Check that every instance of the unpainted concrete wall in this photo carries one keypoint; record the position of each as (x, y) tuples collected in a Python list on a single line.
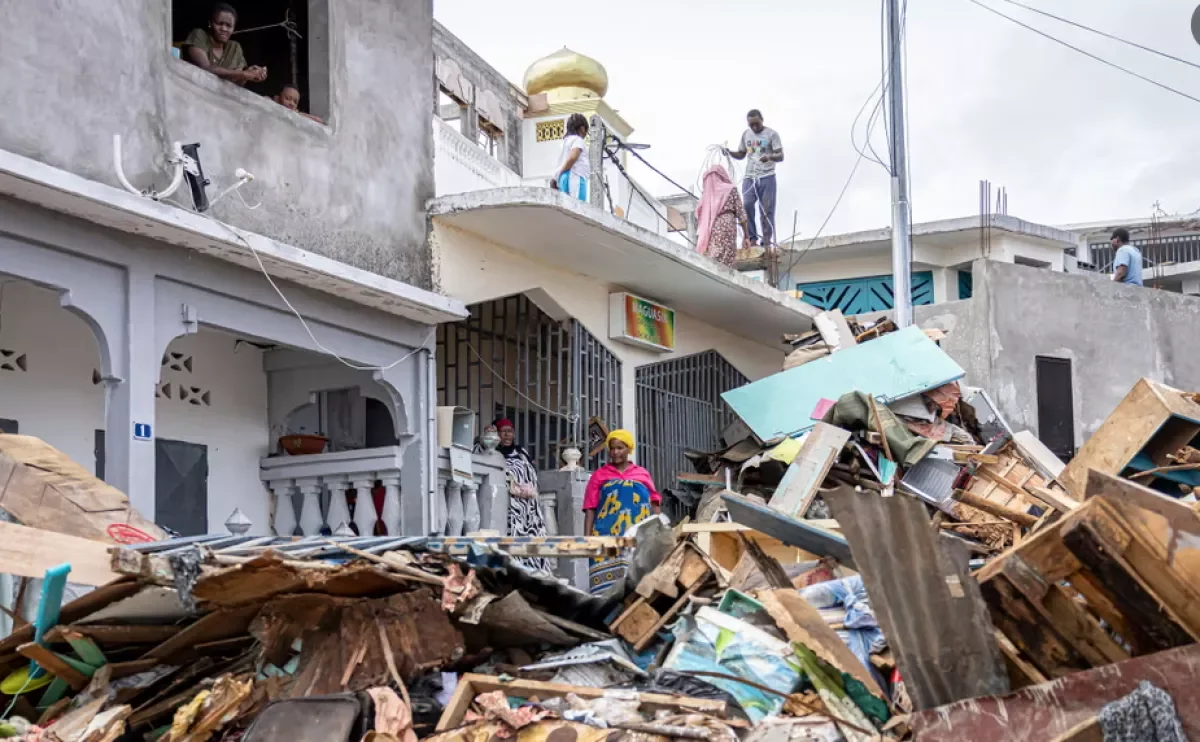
[(75, 72), (1113, 334), (486, 91)]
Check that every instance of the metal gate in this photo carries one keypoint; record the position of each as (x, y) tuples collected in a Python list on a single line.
[(679, 407), (510, 359)]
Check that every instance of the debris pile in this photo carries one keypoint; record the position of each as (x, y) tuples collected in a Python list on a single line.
[(873, 547)]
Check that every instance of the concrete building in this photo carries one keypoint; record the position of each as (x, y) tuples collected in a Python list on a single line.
[(1170, 248), (852, 272), (584, 316), (169, 350), (1057, 351)]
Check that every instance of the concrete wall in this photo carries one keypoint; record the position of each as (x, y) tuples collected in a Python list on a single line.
[(486, 92), (55, 399), (1113, 334), (77, 72), (474, 270)]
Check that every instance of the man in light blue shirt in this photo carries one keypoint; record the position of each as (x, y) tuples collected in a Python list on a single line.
[(1127, 262)]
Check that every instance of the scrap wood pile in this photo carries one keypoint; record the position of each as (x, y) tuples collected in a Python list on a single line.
[(989, 563)]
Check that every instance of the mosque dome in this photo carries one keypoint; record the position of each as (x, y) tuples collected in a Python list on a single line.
[(566, 75)]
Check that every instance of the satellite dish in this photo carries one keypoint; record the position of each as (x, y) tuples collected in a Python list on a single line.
[(1196, 24)]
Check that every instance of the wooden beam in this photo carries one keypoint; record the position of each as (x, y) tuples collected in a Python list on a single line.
[(808, 470), (55, 665), (991, 508), (29, 552), (471, 685)]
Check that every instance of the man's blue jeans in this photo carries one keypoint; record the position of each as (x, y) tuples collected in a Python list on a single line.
[(760, 193)]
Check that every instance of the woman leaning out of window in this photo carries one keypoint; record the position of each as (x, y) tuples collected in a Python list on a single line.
[(213, 49)]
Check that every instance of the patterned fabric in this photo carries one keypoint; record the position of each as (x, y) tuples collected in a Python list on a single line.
[(524, 511), (723, 243), (622, 501)]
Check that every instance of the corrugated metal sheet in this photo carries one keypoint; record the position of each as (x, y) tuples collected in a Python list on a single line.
[(896, 365), (928, 605)]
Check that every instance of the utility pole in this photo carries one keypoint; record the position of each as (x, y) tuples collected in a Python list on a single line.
[(901, 209)]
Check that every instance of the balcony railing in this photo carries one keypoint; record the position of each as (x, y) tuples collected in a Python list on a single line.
[(1173, 250), (311, 493)]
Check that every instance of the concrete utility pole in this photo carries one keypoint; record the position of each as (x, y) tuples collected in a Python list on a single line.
[(901, 210)]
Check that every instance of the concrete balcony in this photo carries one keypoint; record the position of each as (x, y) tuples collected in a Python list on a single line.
[(322, 492)]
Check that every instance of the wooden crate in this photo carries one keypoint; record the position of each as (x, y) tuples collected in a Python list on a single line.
[(1127, 556)]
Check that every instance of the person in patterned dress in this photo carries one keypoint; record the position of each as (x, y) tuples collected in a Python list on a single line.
[(619, 495), (524, 511), (719, 215)]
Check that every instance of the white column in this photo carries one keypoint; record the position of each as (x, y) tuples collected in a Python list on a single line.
[(471, 517), (391, 514), (364, 508), (129, 398), (285, 516), (454, 508), (310, 508), (339, 509), (549, 512)]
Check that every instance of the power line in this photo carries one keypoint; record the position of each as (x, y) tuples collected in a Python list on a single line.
[(612, 156), (1085, 27), (1072, 47), (635, 153)]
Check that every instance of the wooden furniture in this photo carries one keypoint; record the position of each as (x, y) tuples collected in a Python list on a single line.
[(1152, 423), (1128, 556)]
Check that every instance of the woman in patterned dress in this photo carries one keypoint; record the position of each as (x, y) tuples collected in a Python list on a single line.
[(524, 512), (619, 495), (719, 214)]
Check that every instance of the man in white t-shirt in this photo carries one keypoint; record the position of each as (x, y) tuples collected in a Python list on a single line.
[(761, 147), (574, 169)]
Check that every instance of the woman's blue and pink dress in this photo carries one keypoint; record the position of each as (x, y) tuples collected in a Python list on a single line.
[(620, 499)]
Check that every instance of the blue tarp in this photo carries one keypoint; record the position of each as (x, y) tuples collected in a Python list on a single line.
[(894, 366)]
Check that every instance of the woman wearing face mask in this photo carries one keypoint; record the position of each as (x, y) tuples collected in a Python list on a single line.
[(214, 49), (524, 512), (619, 495)]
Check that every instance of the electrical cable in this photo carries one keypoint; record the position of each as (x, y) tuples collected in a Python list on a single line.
[(635, 153), (571, 417), (612, 156), (1085, 27), (1085, 53), (304, 323)]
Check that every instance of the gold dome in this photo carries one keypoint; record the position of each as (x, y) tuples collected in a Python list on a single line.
[(566, 75)]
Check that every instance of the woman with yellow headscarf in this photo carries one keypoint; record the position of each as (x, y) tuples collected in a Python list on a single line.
[(618, 495)]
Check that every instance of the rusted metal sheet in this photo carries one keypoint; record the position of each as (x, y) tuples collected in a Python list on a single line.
[(928, 605), (1040, 713)]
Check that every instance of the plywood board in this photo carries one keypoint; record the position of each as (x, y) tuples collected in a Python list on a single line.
[(808, 470), (896, 365), (43, 488), (29, 552)]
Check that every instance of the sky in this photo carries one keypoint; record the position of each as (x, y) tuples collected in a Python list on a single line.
[(1071, 139)]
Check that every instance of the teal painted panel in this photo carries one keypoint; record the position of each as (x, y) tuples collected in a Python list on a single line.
[(966, 284), (893, 366), (860, 295)]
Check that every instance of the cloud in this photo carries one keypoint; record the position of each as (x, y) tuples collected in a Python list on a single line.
[(1071, 139)]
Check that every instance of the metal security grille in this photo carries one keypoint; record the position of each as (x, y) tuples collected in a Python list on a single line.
[(679, 407), (510, 359)]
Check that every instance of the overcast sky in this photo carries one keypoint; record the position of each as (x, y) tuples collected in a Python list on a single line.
[(1072, 139)]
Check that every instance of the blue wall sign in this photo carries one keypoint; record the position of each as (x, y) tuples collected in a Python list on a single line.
[(141, 432)]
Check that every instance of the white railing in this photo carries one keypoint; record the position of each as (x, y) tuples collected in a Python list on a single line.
[(461, 166), (320, 483), (478, 504)]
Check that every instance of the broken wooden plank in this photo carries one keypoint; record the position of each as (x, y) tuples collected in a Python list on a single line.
[(992, 508), (807, 471), (533, 546), (29, 552), (55, 665), (117, 634), (471, 685), (791, 531), (641, 644), (221, 624)]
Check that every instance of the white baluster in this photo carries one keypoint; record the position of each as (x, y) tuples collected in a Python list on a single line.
[(549, 508), (285, 513), (364, 507), (339, 509), (471, 517), (391, 504), (310, 508), (454, 508)]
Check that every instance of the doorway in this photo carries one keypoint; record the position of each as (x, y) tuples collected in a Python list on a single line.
[(1056, 405)]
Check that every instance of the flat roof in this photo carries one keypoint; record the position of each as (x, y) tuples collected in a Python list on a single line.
[(940, 231), (68, 193), (569, 234)]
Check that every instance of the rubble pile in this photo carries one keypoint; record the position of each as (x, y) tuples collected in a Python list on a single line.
[(873, 554)]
